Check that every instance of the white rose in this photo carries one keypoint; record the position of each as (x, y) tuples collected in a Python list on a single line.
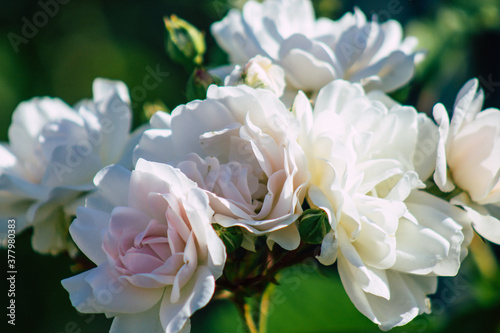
[(54, 152), (314, 52), (469, 157), (149, 232), (252, 137), (389, 238)]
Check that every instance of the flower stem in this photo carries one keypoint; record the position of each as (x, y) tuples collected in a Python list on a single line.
[(254, 309), (249, 318), (264, 307), (245, 309), (252, 281)]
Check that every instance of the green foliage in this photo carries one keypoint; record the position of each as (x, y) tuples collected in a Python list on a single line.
[(232, 237)]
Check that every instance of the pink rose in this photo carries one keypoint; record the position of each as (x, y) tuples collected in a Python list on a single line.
[(149, 233)]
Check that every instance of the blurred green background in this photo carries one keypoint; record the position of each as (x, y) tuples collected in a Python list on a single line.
[(123, 40)]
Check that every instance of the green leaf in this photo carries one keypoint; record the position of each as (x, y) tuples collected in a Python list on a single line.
[(232, 237)]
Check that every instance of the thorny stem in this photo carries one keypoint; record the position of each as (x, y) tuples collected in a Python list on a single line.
[(250, 289), (291, 258)]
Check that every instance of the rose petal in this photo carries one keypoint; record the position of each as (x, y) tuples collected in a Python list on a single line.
[(195, 295), (116, 295)]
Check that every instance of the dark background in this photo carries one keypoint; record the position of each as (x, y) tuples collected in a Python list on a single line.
[(82, 40)]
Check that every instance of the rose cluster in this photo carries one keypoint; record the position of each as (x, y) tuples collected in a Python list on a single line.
[(300, 127)]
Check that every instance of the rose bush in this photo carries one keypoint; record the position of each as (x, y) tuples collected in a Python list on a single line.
[(226, 192)]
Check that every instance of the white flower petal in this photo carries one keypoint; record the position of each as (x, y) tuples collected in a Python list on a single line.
[(446, 221), (408, 297), (114, 115), (371, 280), (194, 119), (394, 71), (80, 293), (149, 142), (194, 296), (309, 65), (484, 224), (112, 184), (117, 295), (329, 249), (335, 95), (441, 174), (288, 237), (50, 230), (424, 157), (216, 251), (467, 104), (418, 249), (13, 188), (86, 232), (147, 321), (68, 168), (160, 120), (473, 155), (103, 88)]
